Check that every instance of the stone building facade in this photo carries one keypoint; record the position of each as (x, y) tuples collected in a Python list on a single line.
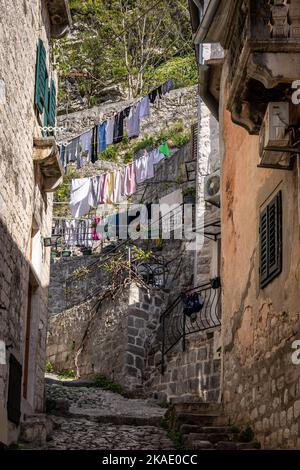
[(29, 171), (260, 213)]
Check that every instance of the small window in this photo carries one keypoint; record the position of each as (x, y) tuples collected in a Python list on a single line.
[(270, 232)]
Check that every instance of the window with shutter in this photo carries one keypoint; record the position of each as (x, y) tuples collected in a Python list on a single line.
[(41, 77), (14, 390), (52, 104), (271, 241)]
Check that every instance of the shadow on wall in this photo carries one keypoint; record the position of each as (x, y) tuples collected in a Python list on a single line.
[(22, 337)]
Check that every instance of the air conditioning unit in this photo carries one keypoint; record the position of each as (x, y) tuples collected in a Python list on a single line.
[(274, 134), (212, 187)]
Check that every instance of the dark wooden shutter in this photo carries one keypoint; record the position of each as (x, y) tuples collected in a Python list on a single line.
[(41, 76), (52, 104), (14, 390), (194, 141), (271, 241)]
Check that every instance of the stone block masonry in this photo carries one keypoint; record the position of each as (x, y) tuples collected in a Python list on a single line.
[(116, 337), (194, 373)]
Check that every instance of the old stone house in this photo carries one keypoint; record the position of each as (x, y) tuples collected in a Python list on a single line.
[(29, 173), (252, 89)]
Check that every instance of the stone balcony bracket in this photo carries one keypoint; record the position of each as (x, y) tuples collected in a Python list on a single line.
[(46, 155)]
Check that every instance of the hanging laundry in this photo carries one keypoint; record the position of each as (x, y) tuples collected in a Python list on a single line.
[(168, 86), (145, 107), (94, 191), (153, 95), (85, 141), (117, 187), (102, 136), (80, 195), (94, 156), (110, 131), (134, 121), (95, 234), (160, 91), (102, 191), (157, 156), (70, 232), (110, 188), (62, 154), (144, 168), (72, 150), (129, 180), (164, 149), (119, 125)]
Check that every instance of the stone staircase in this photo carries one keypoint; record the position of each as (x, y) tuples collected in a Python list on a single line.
[(204, 426)]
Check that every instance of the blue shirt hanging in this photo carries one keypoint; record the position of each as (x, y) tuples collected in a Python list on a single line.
[(102, 136)]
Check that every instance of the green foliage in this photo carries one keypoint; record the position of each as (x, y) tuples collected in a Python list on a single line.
[(110, 154), (256, 445), (67, 374), (246, 435), (103, 382), (131, 44), (183, 70), (49, 367), (64, 191)]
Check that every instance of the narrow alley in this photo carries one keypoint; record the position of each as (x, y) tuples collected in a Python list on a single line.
[(91, 418)]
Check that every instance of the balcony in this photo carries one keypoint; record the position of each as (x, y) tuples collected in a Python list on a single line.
[(46, 156), (261, 39)]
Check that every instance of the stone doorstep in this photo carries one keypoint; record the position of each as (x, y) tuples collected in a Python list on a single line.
[(194, 408), (35, 429), (201, 419)]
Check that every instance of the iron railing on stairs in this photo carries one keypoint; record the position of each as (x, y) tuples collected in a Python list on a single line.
[(176, 323)]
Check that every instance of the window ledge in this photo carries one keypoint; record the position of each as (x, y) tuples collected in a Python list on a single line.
[(60, 17), (46, 155)]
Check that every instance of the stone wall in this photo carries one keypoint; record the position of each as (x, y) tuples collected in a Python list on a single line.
[(21, 199), (193, 373), (180, 104), (116, 336)]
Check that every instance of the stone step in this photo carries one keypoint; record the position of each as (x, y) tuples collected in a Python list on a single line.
[(118, 420), (201, 445), (211, 437), (196, 407), (192, 428), (201, 419)]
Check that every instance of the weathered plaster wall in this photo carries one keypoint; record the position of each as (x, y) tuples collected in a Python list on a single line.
[(261, 386), (21, 25)]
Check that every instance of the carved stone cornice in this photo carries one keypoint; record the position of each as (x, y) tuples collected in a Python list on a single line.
[(46, 155), (60, 17), (263, 57)]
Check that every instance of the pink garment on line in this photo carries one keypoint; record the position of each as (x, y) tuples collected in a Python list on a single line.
[(103, 183), (95, 234), (129, 183)]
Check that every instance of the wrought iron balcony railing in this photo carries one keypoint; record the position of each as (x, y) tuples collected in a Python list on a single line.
[(179, 320)]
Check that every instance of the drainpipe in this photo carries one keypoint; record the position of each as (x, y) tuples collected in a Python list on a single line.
[(206, 21)]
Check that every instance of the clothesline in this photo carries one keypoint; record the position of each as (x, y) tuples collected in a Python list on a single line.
[(111, 131), (114, 187)]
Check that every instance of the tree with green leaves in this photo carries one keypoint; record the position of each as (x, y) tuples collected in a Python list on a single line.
[(132, 43)]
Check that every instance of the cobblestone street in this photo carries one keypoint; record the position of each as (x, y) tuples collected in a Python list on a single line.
[(100, 419)]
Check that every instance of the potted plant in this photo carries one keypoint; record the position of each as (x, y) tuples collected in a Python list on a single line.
[(189, 196)]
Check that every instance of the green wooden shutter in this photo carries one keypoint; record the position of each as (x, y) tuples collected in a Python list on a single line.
[(52, 105), (41, 76), (46, 107), (271, 241)]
